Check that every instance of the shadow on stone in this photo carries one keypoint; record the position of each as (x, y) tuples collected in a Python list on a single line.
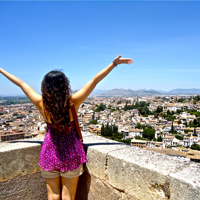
[(25, 141), (83, 185), (104, 143)]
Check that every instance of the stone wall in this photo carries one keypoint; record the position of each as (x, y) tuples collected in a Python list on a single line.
[(114, 171)]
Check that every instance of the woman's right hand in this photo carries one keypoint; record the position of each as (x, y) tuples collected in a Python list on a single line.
[(118, 60)]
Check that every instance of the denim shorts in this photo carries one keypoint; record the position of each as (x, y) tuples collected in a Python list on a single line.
[(67, 174)]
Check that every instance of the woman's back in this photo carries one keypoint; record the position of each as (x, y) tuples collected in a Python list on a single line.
[(62, 151)]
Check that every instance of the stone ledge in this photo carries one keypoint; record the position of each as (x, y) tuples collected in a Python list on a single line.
[(131, 172), (18, 158), (141, 173)]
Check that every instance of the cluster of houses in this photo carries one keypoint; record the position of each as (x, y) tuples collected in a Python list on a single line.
[(127, 120), (24, 120), (19, 121)]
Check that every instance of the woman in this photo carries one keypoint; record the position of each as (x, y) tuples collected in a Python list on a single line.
[(62, 153)]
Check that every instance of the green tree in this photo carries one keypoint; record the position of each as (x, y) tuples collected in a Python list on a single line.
[(180, 100), (195, 146), (112, 133), (142, 126), (127, 141), (93, 116), (115, 129), (172, 127), (159, 109), (117, 136), (138, 125), (197, 98), (93, 122), (102, 129), (141, 106), (179, 111), (138, 137), (173, 131), (186, 130), (149, 133), (108, 130), (179, 137), (143, 110), (194, 112), (100, 107), (159, 139)]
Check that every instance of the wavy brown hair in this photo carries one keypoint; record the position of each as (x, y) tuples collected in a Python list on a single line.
[(56, 91)]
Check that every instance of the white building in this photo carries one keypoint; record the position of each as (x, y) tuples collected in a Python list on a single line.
[(168, 140), (171, 107), (186, 141), (135, 132)]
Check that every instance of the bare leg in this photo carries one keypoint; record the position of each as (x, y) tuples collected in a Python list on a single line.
[(53, 188), (69, 186)]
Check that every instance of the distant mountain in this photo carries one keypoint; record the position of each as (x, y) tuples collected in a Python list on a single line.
[(161, 91), (143, 92), (184, 91), (97, 91), (126, 93)]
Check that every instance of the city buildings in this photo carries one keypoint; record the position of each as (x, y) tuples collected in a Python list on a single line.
[(19, 121)]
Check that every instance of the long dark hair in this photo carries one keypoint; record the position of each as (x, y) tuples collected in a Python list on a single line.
[(56, 91)]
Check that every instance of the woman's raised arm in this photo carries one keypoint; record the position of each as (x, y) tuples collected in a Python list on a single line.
[(82, 94), (35, 98)]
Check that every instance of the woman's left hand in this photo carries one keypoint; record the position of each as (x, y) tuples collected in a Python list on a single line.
[(118, 60)]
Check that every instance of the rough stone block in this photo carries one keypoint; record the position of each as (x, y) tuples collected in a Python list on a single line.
[(97, 149), (28, 187), (99, 190), (143, 174), (19, 158), (185, 184)]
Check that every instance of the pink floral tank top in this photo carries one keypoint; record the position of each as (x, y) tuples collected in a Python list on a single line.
[(62, 151)]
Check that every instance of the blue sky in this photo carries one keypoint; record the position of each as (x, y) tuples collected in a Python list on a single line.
[(163, 39)]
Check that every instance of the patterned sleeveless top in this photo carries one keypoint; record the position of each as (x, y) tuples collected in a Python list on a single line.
[(62, 151)]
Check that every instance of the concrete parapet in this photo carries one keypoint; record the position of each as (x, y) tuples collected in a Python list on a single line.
[(114, 171)]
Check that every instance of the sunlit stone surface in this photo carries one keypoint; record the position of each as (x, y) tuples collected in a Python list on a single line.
[(114, 171)]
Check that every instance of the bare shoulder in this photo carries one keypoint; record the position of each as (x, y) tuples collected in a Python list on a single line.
[(75, 100), (39, 103)]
